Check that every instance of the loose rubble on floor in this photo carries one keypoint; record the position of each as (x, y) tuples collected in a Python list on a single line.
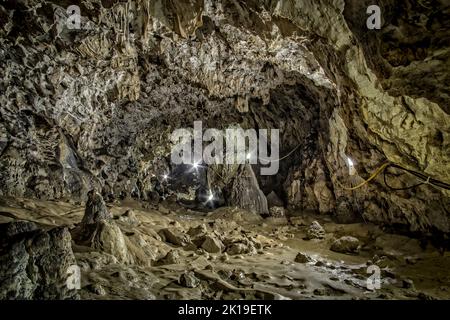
[(126, 251)]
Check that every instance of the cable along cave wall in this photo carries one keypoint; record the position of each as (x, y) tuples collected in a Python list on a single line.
[(95, 107)]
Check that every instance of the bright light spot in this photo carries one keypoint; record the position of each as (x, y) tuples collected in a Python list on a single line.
[(351, 167), (211, 196), (350, 162), (165, 177), (195, 166), (249, 155)]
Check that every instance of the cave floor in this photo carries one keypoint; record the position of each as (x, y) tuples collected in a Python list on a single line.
[(407, 270)]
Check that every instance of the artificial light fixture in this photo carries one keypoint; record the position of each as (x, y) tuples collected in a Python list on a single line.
[(350, 162), (195, 166), (351, 167)]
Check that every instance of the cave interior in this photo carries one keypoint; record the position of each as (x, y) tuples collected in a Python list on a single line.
[(91, 93)]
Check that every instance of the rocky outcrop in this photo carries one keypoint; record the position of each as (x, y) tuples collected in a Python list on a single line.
[(35, 264)]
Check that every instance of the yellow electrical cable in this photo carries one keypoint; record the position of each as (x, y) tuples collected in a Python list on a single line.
[(373, 176)]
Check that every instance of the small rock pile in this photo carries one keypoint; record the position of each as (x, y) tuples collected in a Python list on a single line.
[(315, 231), (214, 240)]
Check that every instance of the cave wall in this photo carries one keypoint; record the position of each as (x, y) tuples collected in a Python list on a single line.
[(96, 106)]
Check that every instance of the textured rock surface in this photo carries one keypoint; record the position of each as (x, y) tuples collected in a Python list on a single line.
[(245, 192), (189, 280), (174, 236), (346, 244), (172, 257), (276, 212), (98, 230), (34, 264), (109, 238), (315, 231), (302, 258), (211, 245), (130, 218), (258, 262), (94, 107), (96, 210)]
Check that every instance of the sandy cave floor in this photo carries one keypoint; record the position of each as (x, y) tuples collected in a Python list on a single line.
[(408, 271)]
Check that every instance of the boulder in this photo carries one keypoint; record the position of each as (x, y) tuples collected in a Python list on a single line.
[(172, 257), (237, 248), (197, 231), (211, 244), (346, 244), (189, 280), (108, 238), (315, 231), (302, 258), (174, 236)]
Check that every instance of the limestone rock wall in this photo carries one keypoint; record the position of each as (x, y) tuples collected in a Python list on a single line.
[(94, 107)]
